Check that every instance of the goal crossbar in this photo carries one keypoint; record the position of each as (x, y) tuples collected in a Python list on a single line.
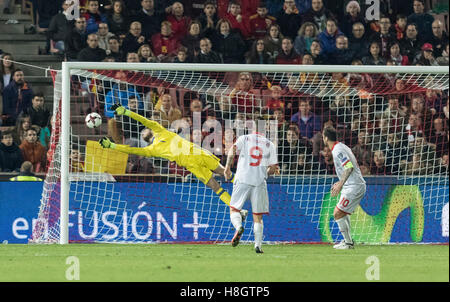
[(255, 67)]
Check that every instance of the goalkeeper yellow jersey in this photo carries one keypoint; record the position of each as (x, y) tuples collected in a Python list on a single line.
[(168, 145)]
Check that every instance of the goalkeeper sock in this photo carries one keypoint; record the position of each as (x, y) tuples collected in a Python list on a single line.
[(224, 196), (236, 219), (344, 227), (233, 176), (258, 231)]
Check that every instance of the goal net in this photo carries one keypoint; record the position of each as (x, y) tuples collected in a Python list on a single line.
[(395, 120)]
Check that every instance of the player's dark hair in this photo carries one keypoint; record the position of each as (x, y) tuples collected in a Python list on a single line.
[(5, 133), (16, 71), (209, 2), (332, 19), (262, 4), (330, 133), (39, 94), (384, 17), (412, 24), (234, 2), (113, 38)]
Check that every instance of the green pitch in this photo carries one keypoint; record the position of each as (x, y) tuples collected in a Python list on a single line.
[(209, 263)]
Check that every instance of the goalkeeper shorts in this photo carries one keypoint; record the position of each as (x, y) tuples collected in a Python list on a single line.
[(202, 166)]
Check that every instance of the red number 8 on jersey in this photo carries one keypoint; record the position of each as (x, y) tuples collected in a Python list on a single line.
[(257, 154)]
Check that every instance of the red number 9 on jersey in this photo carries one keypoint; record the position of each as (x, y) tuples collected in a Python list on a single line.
[(257, 154)]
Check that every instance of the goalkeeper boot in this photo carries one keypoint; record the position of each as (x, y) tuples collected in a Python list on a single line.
[(258, 250), (244, 214), (237, 236), (344, 246)]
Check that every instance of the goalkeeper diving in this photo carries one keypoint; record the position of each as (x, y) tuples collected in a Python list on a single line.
[(169, 145)]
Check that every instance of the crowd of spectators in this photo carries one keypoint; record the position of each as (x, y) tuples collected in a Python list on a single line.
[(24, 121), (397, 133), (402, 133), (257, 32), (25, 131)]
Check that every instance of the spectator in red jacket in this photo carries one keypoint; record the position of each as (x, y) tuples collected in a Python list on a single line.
[(33, 151), (260, 22), (243, 94), (178, 20), (275, 102), (247, 7), (425, 114), (400, 26), (237, 20), (288, 54), (165, 45), (395, 55)]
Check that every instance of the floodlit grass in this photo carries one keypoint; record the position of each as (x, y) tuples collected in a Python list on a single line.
[(210, 263)]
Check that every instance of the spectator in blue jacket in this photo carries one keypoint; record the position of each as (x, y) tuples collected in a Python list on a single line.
[(308, 123), (328, 37), (274, 6), (120, 93), (93, 17), (17, 98), (303, 5)]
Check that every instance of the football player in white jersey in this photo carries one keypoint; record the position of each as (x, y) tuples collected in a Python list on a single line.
[(257, 160), (351, 185)]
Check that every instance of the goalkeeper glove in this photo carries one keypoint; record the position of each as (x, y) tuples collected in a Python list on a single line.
[(106, 143), (119, 109)]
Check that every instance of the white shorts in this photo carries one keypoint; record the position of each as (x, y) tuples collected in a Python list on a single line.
[(257, 194), (350, 198)]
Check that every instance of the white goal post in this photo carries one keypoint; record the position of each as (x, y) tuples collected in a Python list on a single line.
[(439, 80)]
